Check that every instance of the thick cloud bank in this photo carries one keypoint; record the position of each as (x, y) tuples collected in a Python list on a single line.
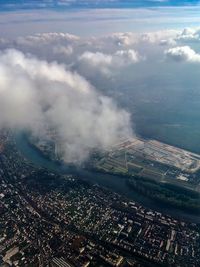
[(34, 94)]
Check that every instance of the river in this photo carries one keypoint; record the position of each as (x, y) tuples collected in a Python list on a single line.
[(112, 182)]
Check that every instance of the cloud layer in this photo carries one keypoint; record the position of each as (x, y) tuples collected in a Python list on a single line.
[(53, 79), (35, 94)]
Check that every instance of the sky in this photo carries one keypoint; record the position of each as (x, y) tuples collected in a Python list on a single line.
[(95, 17), (60, 4), (84, 18)]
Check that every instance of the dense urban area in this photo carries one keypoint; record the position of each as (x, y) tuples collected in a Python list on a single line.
[(48, 219)]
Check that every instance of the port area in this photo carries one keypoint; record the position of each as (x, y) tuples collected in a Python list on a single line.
[(151, 159)]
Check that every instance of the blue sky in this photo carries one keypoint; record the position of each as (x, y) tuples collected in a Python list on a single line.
[(95, 17), (6, 5)]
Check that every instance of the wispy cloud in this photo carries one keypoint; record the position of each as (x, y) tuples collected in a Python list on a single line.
[(87, 22)]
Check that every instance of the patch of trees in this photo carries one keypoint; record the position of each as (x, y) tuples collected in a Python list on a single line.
[(169, 194)]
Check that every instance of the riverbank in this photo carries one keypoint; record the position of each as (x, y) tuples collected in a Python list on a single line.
[(112, 182)]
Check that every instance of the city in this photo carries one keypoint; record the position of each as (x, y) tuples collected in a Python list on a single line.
[(99, 133), (49, 219)]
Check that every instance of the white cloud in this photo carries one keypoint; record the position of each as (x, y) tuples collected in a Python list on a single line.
[(97, 58), (107, 63), (126, 57), (183, 53), (189, 35), (63, 50), (168, 42), (49, 46), (123, 39), (98, 61), (34, 93), (46, 38)]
